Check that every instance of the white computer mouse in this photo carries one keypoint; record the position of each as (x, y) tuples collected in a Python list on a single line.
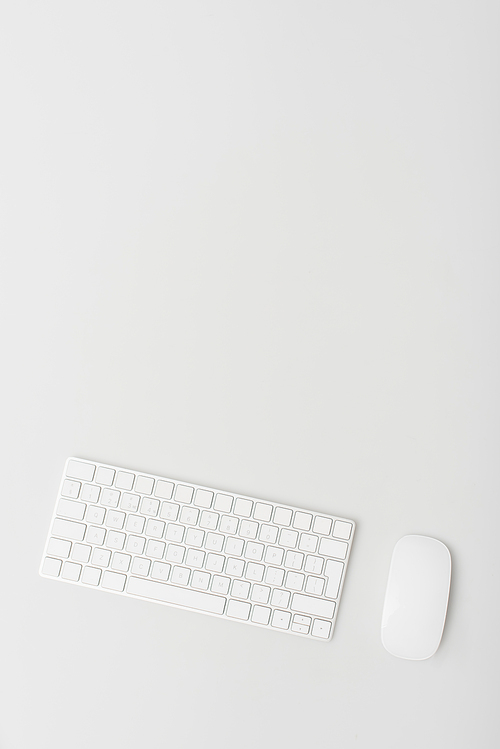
[(416, 598)]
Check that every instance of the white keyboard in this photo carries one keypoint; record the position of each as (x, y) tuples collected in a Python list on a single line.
[(198, 548)]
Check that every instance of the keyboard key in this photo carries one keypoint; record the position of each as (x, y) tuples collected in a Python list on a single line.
[(308, 542), (263, 512), (135, 523), (294, 560), (280, 598), (189, 515), (333, 573), (51, 566), (275, 576), (228, 524), (81, 553), (289, 538), (129, 502), (144, 485), (281, 619), (260, 593), (105, 476), (90, 493), (195, 537), (331, 548), (164, 489), (243, 507), (192, 599), (68, 529), (223, 502), (269, 534), (261, 615), (91, 575), (95, 535), (302, 521), (71, 489), (78, 470), (235, 567), (322, 525), (141, 566), (300, 619), (59, 547), (161, 570), (240, 589), (220, 584), (254, 551), (195, 558), (342, 529), (124, 480), (155, 528), (113, 581), (150, 506), (215, 562), (248, 529), (313, 606), (315, 585), (156, 549), (71, 571), (314, 564), (174, 532), (203, 498), (174, 553), (115, 540), (301, 628), (214, 542), (110, 497), (294, 580), (321, 629), (274, 555), (101, 557), (95, 515), (184, 494), (200, 580), (238, 609), (254, 572), (209, 520), (135, 544), (282, 516), (115, 519), (180, 575), (235, 546), (121, 562), (169, 511)]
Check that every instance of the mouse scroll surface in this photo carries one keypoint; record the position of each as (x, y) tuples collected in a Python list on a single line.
[(416, 599)]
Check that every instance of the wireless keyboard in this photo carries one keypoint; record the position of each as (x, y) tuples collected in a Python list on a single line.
[(198, 548)]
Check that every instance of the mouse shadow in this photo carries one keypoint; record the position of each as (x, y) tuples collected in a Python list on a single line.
[(450, 610)]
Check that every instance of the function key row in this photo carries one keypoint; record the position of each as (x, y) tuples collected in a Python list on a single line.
[(147, 486), (124, 480)]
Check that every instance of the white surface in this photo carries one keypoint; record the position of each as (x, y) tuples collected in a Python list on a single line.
[(416, 598), (252, 245)]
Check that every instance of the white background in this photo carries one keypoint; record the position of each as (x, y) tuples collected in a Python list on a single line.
[(253, 245)]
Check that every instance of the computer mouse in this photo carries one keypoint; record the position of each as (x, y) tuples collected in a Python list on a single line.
[(416, 598)]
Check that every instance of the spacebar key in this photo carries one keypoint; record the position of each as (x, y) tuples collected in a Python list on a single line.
[(191, 599)]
